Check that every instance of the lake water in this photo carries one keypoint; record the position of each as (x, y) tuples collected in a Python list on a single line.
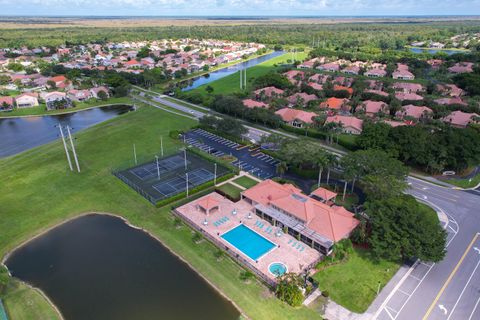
[(20, 134), (433, 51), (97, 267), (215, 75)]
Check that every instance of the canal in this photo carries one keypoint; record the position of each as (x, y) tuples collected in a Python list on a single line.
[(20, 134), (218, 74), (98, 267)]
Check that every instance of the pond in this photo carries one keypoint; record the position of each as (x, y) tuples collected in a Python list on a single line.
[(98, 267), (220, 73), (20, 134), (433, 51)]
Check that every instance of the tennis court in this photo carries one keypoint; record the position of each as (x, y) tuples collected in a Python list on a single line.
[(169, 177)]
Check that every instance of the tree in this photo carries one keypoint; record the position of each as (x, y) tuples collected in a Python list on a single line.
[(102, 95), (51, 84), (289, 289), (282, 167), (4, 278), (209, 89), (401, 228)]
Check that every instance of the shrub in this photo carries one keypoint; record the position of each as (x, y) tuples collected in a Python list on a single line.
[(197, 237), (325, 293), (246, 276), (219, 254)]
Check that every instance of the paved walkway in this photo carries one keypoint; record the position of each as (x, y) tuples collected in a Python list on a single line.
[(314, 295)]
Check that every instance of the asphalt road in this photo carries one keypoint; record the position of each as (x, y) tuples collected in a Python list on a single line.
[(449, 289)]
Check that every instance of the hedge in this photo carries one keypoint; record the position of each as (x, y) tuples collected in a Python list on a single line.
[(214, 159)]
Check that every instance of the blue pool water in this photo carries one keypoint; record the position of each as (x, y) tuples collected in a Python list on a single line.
[(252, 244), (277, 269)]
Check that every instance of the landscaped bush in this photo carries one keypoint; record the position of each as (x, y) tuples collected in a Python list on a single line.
[(246, 276), (197, 237), (229, 191)]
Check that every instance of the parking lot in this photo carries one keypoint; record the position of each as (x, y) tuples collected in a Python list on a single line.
[(252, 161)]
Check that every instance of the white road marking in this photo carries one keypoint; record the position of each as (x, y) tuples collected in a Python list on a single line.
[(474, 308), (444, 310), (465, 287)]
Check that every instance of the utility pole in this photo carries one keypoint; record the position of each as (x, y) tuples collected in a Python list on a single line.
[(185, 157), (73, 149), (135, 154), (161, 145), (245, 79), (65, 147), (215, 175), (158, 168), (186, 175)]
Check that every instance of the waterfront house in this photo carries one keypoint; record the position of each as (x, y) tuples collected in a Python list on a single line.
[(27, 100)]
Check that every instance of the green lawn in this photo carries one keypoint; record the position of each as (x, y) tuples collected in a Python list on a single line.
[(354, 284), (230, 84), (47, 193), (42, 109), (245, 181), (22, 302), (231, 190)]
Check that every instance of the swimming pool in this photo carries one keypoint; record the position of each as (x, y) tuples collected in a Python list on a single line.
[(249, 242), (277, 269)]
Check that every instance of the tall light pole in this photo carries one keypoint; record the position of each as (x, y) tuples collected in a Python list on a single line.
[(185, 157), (215, 174), (73, 149), (158, 168), (135, 154), (65, 147), (186, 175), (161, 145)]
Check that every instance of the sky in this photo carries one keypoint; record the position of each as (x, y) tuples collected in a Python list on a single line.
[(239, 7)]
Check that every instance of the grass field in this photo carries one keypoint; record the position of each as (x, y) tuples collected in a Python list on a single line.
[(229, 84), (245, 181), (47, 193), (22, 302), (42, 110), (354, 284), (464, 183), (231, 190)]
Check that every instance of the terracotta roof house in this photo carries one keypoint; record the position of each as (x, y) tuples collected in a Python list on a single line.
[(461, 119), (269, 92), (343, 88), (27, 100), (461, 67), (402, 72), (351, 70), (60, 81), (450, 89), (377, 92), (331, 66), (402, 96), (316, 223), (351, 125), (294, 76), (96, 90), (301, 98), (320, 78), (343, 81), (450, 101), (376, 73), (414, 112), (296, 118), (335, 104), (132, 64), (79, 95), (53, 96), (374, 84), (315, 86), (310, 63), (249, 103), (323, 194), (435, 63), (407, 87), (371, 107), (6, 103)]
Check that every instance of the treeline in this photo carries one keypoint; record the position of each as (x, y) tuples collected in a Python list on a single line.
[(432, 149), (348, 37)]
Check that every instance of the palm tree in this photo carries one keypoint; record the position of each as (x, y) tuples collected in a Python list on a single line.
[(282, 167), (331, 162), (322, 161)]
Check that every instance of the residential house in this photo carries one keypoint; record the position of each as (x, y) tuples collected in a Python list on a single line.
[(27, 100), (450, 90), (408, 87), (461, 119), (376, 73), (402, 96), (331, 67), (249, 103), (416, 112), (372, 108), (324, 195), (402, 72), (394, 124), (311, 63), (315, 86), (296, 118), (6, 103), (343, 88), (336, 104), (301, 99), (315, 223), (352, 69), (319, 78), (350, 125), (461, 67), (377, 92), (96, 90), (270, 92), (294, 76), (79, 95)]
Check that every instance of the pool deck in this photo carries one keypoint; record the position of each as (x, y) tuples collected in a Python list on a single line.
[(295, 259)]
